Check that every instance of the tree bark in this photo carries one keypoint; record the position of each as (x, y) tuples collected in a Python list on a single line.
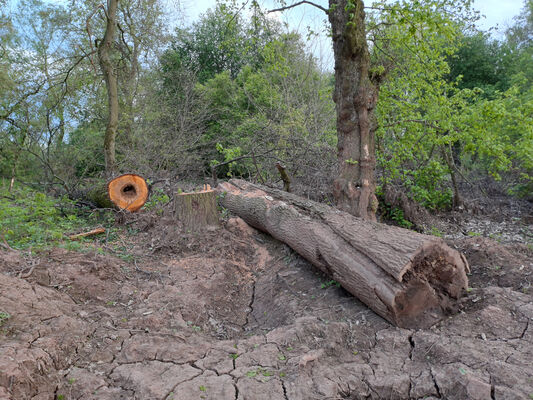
[(355, 97), (196, 210), (111, 82), (411, 280)]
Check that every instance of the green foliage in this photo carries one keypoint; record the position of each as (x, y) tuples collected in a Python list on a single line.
[(428, 186), (481, 62), (158, 198), (32, 219), (327, 284), (395, 214), (221, 41), (4, 316), (273, 107), (452, 105)]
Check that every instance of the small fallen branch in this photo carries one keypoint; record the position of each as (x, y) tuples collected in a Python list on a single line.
[(5, 245), (96, 231)]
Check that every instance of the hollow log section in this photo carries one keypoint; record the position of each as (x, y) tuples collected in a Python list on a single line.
[(411, 280), (128, 192), (197, 210)]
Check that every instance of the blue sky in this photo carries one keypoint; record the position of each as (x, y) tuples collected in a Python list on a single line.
[(497, 12), (496, 16)]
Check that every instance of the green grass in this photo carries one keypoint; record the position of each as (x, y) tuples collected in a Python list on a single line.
[(29, 218), (4, 316)]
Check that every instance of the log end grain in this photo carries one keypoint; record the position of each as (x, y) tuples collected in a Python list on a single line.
[(435, 280), (128, 192)]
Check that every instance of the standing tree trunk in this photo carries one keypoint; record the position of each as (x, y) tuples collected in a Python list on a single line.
[(355, 97), (106, 65)]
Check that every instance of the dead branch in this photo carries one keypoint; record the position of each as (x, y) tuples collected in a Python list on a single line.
[(298, 4)]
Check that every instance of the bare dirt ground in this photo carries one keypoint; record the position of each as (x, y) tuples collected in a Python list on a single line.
[(233, 314)]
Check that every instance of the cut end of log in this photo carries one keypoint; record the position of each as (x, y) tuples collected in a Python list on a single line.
[(433, 282), (128, 192)]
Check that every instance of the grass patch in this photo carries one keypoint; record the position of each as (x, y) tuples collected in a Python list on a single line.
[(29, 218)]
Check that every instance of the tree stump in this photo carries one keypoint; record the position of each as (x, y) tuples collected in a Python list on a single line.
[(411, 280), (196, 210)]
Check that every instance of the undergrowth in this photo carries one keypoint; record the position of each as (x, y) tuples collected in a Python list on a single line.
[(31, 219)]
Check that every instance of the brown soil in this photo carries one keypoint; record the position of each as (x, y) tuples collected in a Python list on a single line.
[(231, 313)]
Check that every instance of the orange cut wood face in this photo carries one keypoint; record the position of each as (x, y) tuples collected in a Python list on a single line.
[(128, 192)]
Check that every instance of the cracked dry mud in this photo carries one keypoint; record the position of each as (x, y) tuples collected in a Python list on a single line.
[(233, 314)]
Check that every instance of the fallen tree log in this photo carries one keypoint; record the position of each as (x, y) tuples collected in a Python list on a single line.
[(126, 192), (411, 280)]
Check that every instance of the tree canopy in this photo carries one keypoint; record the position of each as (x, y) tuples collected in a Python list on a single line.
[(236, 92)]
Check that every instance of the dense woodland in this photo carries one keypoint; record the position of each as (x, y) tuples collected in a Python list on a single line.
[(90, 91)]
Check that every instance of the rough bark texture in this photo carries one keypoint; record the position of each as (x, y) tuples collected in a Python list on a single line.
[(110, 77), (355, 97), (410, 279), (97, 195), (196, 210)]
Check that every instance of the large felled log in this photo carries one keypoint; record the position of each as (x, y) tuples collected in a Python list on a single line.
[(196, 210), (410, 279)]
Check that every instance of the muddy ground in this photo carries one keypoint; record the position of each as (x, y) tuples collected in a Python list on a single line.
[(233, 314)]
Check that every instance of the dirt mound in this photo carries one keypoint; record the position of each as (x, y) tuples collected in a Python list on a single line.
[(495, 264), (234, 314)]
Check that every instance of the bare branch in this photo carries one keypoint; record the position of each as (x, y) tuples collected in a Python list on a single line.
[(298, 4), (88, 28)]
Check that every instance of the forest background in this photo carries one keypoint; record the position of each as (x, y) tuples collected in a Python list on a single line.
[(241, 91)]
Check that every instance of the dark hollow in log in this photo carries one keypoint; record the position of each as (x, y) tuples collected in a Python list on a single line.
[(196, 210), (411, 280)]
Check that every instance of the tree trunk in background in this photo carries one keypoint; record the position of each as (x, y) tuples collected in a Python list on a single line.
[(410, 279), (111, 82), (355, 97)]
